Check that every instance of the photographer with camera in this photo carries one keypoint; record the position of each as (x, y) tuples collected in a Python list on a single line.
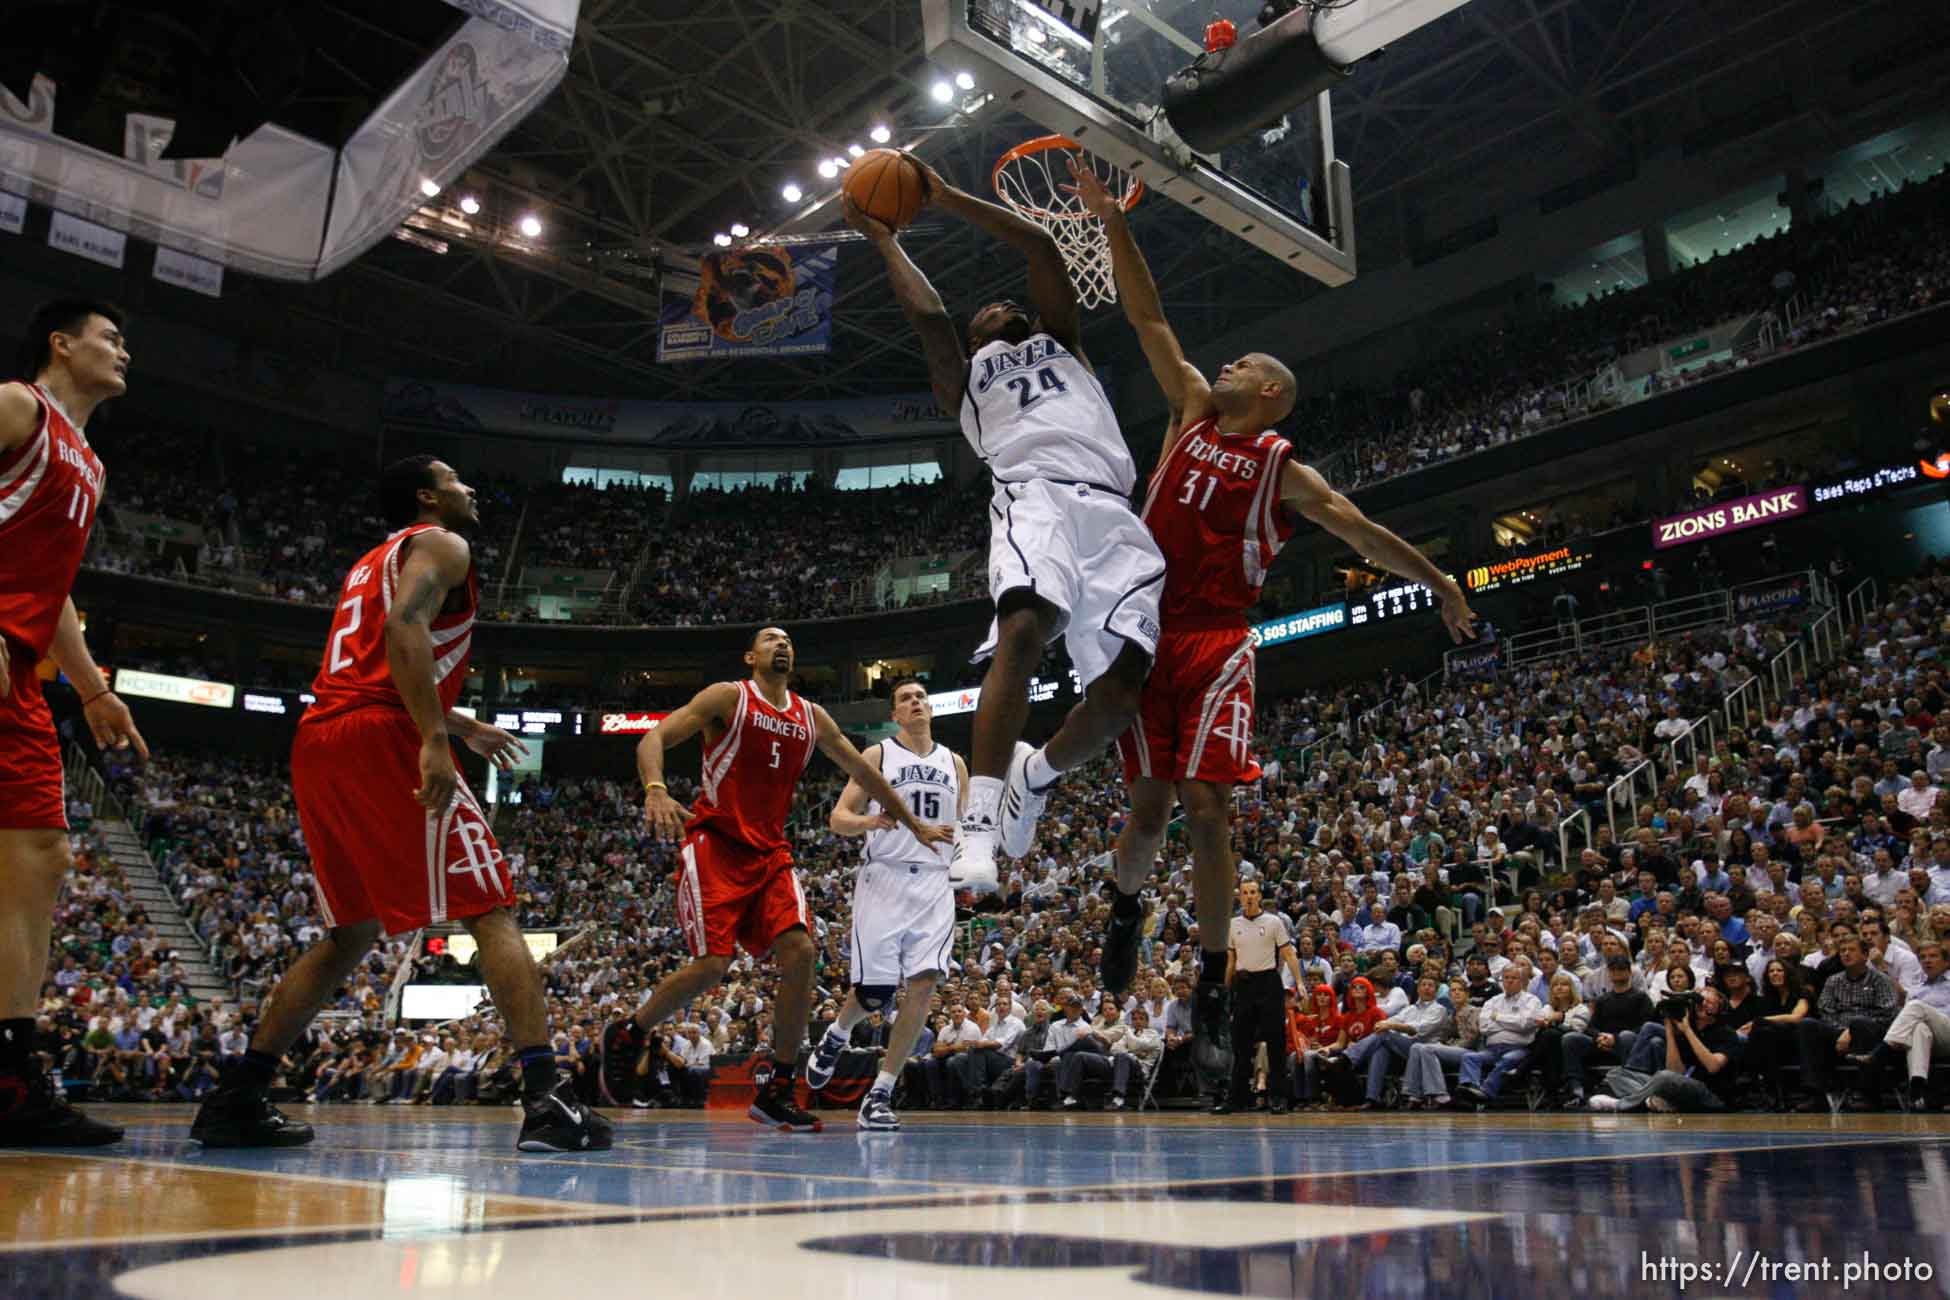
[(1699, 1060)]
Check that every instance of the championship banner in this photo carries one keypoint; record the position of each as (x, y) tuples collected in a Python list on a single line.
[(1759, 598), (187, 271), (1730, 517), (711, 426), (754, 302), (86, 239), (13, 213)]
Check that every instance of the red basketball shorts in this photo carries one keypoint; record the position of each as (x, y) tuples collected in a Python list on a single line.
[(31, 791), (1195, 721), (730, 896), (375, 851)]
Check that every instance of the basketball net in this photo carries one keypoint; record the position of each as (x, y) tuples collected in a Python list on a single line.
[(1034, 180)]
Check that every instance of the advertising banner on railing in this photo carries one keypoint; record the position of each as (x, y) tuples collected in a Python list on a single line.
[(1761, 598), (754, 302), (1730, 517), (706, 426), (1472, 661)]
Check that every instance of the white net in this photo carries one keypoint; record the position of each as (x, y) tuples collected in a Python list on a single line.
[(1034, 180)]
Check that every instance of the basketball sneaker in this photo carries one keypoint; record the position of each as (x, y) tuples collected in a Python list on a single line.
[(245, 1117), (1022, 806), (776, 1106), (622, 1047), (556, 1121), (877, 1113), (825, 1059), (1212, 1029), (32, 1114), (1121, 952), (974, 864)]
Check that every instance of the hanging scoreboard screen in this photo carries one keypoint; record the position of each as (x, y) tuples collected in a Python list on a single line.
[(1384, 604)]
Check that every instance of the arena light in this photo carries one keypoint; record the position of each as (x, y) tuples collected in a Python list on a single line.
[(828, 169), (880, 134), (966, 80), (841, 161), (942, 92), (792, 192), (531, 226), (739, 230), (721, 239), (470, 205), (854, 151), (428, 188)]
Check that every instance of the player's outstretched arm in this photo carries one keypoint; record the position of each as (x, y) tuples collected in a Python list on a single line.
[(834, 744), (940, 340), (1186, 390), (715, 703), (1306, 493), (436, 563), (850, 816), (1050, 290)]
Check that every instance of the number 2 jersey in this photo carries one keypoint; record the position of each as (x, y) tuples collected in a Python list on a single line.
[(931, 789), (1033, 410), (354, 673), (1214, 508), (50, 489)]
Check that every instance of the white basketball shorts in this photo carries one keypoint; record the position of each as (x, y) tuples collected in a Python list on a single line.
[(1085, 551), (903, 922)]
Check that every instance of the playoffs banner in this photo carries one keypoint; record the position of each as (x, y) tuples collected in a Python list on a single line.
[(754, 302), (1759, 598), (1472, 661)]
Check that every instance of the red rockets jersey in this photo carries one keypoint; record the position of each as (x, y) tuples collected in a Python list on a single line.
[(1214, 509), (50, 491), (749, 775), (355, 673)]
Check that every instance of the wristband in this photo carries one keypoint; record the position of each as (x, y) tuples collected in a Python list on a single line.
[(96, 696), (648, 786)]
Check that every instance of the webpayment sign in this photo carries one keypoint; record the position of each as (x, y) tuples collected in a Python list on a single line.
[(1312, 622)]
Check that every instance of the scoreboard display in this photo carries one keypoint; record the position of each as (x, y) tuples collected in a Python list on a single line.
[(1393, 601)]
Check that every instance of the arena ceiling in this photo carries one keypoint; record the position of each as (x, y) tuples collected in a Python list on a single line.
[(679, 118)]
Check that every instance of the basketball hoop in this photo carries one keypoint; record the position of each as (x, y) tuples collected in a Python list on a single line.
[(1034, 179)]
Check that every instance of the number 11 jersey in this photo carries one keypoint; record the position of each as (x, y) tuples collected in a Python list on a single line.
[(1033, 410)]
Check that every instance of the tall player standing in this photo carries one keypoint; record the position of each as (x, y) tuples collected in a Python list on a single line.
[(397, 840), (1067, 555), (50, 492), (903, 909), (736, 886), (1225, 497)]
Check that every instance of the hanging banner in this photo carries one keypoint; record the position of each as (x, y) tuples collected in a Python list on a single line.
[(197, 274), (13, 213), (1770, 597), (1729, 517), (754, 302), (86, 239), (1472, 661)]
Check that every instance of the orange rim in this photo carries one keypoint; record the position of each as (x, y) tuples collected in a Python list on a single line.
[(1133, 189)]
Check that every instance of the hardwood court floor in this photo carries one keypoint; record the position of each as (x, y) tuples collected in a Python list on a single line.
[(411, 1201)]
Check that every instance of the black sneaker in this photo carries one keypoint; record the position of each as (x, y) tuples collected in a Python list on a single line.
[(1222, 1104), (1121, 953), (622, 1048), (38, 1117), (245, 1118), (556, 1121), (1212, 1029), (775, 1106)]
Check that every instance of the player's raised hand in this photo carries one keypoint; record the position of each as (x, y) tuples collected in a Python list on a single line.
[(1089, 187), (932, 186), (501, 748), (439, 778), (856, 216), (1458, 617), (109, 722), (665, 815)]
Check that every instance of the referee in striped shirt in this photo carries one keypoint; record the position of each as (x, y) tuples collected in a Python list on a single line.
[(1258, 944)]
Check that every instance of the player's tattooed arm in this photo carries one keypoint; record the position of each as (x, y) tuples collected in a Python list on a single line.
[(834, 744), (850, 815), (1306, 493), (921, 304)]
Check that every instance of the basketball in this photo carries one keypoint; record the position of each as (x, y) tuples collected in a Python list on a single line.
[(886, 186)]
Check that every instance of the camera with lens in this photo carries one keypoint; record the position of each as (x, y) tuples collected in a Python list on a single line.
[(1678, 1006)]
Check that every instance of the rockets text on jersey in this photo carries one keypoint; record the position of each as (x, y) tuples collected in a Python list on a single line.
[(930, 787), (1034, 410), (354, 672), (1214, 508), (50, 492), (749, 775)]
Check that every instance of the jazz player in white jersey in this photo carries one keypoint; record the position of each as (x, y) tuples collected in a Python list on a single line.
[(903, 909), (1067, 555)]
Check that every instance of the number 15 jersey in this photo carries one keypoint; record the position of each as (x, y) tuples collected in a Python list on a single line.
[(355, 673), (931, 789), (1033, 410)]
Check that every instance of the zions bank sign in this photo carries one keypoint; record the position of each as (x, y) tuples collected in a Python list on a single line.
[(1730, 517)]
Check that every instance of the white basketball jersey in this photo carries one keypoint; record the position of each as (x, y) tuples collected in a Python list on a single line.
[(1034, 411), (927, 784)]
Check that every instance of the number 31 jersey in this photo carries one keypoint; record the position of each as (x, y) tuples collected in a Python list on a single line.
[(1033, 410), (928, 785), (1214, 509), (355, 673)]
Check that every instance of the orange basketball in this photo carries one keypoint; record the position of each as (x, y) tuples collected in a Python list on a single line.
[(886, 186)]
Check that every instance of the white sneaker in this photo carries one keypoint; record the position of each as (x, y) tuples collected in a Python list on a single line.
[(1022, 807), (1116, 1102), (1070, 1103), (877, 1113), (1603, 1101), (974, 863)]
